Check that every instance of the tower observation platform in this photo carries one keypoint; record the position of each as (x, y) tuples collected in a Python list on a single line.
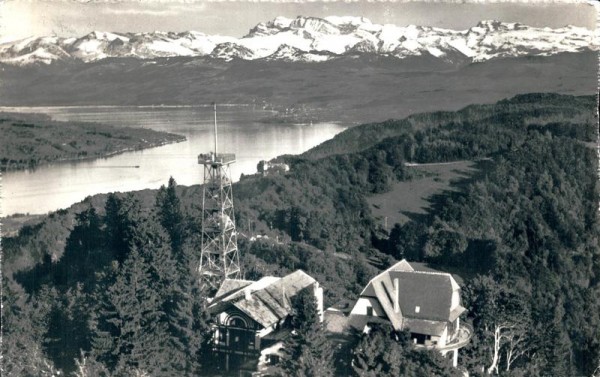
[(219, 258), (212, 159)]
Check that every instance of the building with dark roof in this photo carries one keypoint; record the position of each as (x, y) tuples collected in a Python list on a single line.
[(252, 316), (421, 300)]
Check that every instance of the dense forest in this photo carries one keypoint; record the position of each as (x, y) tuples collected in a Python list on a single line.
[(109, 286)]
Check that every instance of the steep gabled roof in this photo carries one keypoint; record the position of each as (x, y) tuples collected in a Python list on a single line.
[(422, 294), (269, 298), (230, 286), (403, 265), (383, 290)]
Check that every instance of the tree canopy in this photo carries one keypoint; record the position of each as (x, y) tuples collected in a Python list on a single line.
[(109, 286)]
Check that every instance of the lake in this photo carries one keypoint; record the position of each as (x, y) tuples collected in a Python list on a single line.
[(57, 186)]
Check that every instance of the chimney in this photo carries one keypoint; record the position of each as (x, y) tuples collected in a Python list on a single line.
[(247, 294), (396, 294), (319, 296)]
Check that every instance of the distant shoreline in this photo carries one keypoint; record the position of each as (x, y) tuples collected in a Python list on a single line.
[(91, 158), (32, 141), (18, 109), (279, 114)]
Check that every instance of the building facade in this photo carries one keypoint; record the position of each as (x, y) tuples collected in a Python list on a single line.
[(252, 317), (418, 299)]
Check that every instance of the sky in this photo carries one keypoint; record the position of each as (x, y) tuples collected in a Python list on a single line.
[(24, 18)]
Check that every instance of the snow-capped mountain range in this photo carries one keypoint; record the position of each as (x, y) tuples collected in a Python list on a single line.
[(312, 40)]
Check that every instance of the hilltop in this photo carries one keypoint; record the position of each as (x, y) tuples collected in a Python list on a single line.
[(521, 226)]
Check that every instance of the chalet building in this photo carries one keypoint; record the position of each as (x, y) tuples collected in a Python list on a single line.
[(269, 168), (252, 317), (418, 299)]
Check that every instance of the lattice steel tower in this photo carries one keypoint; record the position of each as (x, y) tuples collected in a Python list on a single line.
[(219, 258)]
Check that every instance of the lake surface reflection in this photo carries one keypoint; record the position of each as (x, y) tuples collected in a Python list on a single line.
[(58, 186)]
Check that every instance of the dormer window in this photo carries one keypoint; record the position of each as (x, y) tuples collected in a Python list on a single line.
[(417, 309)]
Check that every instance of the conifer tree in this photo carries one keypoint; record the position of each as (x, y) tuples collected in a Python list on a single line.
[(114, 229), (384, 352), (168, 206), (376, 354), (105, 320), (23, 326), (151, 305), (67, 332), (123, 219), (129, 323), (187, 322), (182, 308), (85, 252), (307, 352)]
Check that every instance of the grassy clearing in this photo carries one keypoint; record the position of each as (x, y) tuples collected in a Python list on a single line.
[(412, 197)]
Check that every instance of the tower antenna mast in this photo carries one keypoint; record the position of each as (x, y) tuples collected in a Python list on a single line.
[(215, 110), (219, 258)]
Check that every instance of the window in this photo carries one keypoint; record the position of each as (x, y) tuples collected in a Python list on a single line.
[(370, 311), (237, 322), (418, 338)]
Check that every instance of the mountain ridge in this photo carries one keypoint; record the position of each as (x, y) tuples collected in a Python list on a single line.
[(310, 39), (348, 89)]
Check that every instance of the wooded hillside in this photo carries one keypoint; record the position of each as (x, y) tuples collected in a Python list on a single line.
[(31, 140), (110, 282)]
